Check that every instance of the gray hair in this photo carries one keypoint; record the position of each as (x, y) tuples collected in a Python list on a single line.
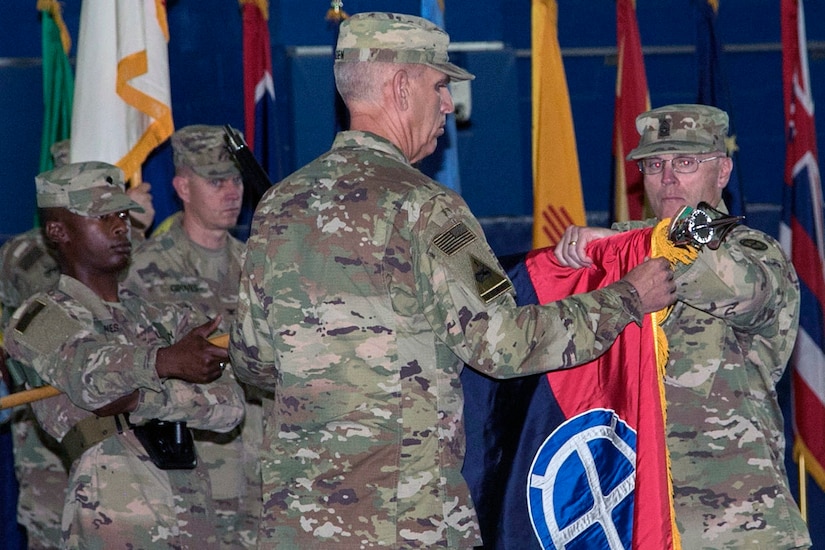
[(363, 81)]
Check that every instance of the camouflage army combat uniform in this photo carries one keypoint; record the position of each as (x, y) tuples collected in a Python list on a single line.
[(40, 463), (366, 287), (730, 336), (87, 348), (171, 268)]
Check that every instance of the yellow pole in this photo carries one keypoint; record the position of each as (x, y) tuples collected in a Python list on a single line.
[(44, 392), (27, 396), (803, 487)]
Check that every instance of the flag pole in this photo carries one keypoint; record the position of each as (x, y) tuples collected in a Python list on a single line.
[(27, 396), (803, 487), (136, 179), (44, 392)]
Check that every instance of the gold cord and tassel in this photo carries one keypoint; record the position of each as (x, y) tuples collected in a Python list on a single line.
[(661, 246), (336, 13)]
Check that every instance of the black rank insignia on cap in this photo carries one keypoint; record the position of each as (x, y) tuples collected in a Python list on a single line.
[(664, 128)]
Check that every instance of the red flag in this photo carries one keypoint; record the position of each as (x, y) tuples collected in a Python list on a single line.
[(625, 379), (801, 234), (587, 443), (632, 99), (259, 89)]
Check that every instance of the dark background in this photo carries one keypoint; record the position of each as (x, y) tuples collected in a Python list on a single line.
[(492, 40)]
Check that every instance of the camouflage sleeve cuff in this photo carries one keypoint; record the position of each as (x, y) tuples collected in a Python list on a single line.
[(631, 301)]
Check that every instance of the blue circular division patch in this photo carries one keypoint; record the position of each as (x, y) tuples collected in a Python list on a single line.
[(581, 485)]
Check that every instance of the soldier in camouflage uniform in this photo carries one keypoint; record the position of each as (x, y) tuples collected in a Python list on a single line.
[(730, 336), (197, 261), (366, 287), (121, 362), (26, 267)]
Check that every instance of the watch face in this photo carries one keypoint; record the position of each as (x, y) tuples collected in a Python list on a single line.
[(699, 227)]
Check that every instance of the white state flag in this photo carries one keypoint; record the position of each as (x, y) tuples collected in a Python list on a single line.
[(122, 99)]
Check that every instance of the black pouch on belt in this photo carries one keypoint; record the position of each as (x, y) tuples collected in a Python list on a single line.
[(168, 444)]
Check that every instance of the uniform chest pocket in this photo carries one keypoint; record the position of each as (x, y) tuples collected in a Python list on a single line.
[(696, 347)]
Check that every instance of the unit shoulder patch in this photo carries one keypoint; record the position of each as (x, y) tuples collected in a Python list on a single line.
[(754, 244)]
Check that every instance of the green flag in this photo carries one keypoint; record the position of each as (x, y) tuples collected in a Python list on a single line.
[(58, 81)]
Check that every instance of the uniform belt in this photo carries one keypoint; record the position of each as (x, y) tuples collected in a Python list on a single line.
[(92, 430)]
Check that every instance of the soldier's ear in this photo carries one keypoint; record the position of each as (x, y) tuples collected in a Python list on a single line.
[(401, 89), (181, 185), (55, 231)]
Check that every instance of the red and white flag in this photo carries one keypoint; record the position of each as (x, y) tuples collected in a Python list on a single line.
[(802, 234)]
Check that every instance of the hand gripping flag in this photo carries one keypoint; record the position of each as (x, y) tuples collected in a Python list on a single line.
[(577, 458)]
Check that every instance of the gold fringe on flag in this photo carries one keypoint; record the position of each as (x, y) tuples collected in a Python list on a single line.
[(660, 246), (336, 13), (53, 8)]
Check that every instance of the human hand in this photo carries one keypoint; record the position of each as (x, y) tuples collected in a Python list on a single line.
[(193, 358), (653, 281), (571, 250), (142, 195)]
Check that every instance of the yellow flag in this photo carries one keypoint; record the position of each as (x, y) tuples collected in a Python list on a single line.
[(557, 190)]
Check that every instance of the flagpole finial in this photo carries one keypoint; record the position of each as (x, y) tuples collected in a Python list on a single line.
[(336, 13)]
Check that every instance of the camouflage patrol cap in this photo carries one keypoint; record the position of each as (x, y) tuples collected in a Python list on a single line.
[(60, 152), (396, 38), (203, 149), (86, 188), (682, 128)]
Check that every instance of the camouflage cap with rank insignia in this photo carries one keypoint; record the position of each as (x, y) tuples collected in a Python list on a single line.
[(86, 188), (203, 149), (396, 38), (682, 128)]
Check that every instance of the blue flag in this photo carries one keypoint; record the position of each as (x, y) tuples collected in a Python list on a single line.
[(714, 91)]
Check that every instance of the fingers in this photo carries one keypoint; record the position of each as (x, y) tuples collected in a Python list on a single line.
[(571, 250), (567, 253), (208, 327), (654, 281)]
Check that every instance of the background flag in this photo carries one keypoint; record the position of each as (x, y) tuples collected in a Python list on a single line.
[(58, 81), (541, 468), (442, 165), (802, 233), (259, 89), (557, 190), (632, 99), (713, 90), (122, 102), (261, 133)]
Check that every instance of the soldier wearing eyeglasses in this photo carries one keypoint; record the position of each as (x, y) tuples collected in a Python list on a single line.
[(730, 336)]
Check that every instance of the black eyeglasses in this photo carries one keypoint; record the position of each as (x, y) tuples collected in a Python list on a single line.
[(681, 165)]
